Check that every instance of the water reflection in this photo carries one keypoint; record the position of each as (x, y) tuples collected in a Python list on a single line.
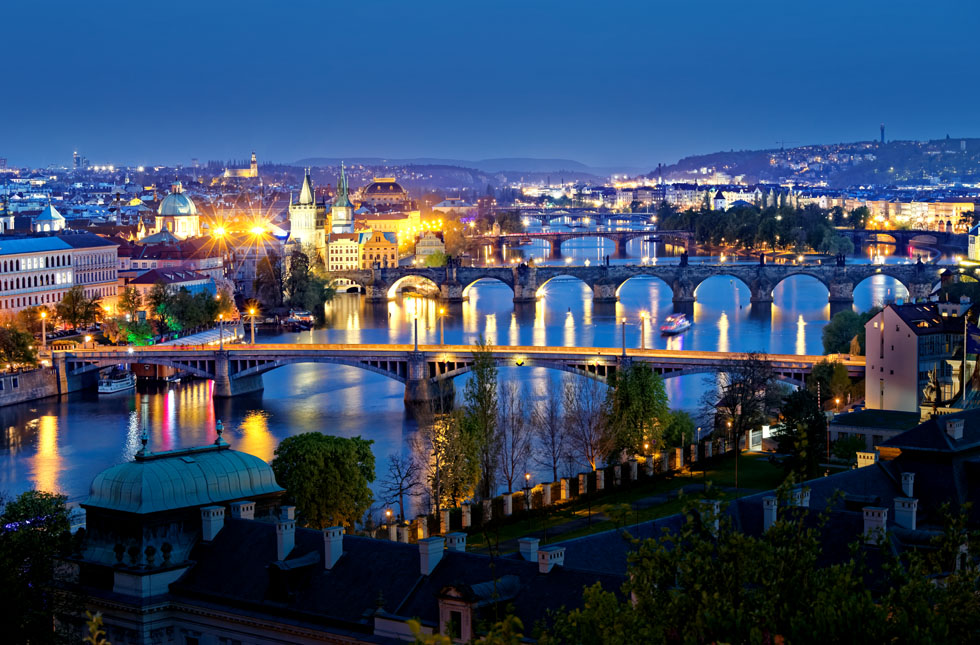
[(47, 460)]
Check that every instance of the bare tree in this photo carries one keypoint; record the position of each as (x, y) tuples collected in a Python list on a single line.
[(515, 434), (403, 479), (585, 420), (550, 432), (743, 396), (446, 458)]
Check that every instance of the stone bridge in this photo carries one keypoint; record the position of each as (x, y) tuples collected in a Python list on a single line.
[(903, 238), (498, 243), (606, 281), (427, 370)]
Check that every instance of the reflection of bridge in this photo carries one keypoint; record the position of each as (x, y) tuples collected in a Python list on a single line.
[(606, 281), (427, 371), (496, 243)]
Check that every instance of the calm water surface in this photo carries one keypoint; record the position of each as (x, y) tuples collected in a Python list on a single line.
[(60, 445)]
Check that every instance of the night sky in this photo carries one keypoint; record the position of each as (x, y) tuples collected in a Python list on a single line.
[(605, 83)]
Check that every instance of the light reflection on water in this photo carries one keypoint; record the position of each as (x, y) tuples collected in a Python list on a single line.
[(62, 444)]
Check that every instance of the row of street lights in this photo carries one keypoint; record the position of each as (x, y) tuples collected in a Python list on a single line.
[(643, 331)]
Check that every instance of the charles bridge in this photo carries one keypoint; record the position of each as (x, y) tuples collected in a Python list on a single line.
[(426, 370), (497, 244), (526, 281)]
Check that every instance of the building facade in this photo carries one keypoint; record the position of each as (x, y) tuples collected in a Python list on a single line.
[(308, 223), (378, 249), (342, 210), (178, 214), (343, 252)]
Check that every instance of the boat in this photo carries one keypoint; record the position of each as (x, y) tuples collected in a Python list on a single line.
[(117, 381), (300, 320), (675, 324)]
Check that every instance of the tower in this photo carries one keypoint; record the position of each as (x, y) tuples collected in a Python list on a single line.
[(253, 167), (882, 134), (307, 218), (342, 211)]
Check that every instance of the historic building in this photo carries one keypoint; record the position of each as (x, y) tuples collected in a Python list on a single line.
[(378, 249), (384, 192), (243, 173), (194, 547), (48, 220), (429, 243), (308, 218), (342, 211), (178, 214), (343, 252)]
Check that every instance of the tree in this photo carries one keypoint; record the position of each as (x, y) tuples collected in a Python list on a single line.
[(802, 435), (833, 379), (679, 430), (270, 280), (402, 480), (550, 431), (515, 434), (637, 408), (157, 299), (29, 319), (130, 302), (75, 309), (843, 327), (436, 259), (326, 477), (589, 437), (448, 458), (17, 347), (860, 217), (697, 584), (35, 531), (480, 415)]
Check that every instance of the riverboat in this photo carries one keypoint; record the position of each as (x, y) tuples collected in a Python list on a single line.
[(675, 324), (117, 381)]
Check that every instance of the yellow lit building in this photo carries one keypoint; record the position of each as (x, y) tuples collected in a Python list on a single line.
[(378, 249)]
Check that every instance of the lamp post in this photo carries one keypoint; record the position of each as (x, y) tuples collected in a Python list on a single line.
[(442, 325), (643, 330), (221, 330), (251, 315), (44, 330), (416, 321), (624, 337)]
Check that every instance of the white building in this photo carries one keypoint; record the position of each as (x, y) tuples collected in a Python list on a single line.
[(429, 243), (307, 218), (343, 252), (48, 220)]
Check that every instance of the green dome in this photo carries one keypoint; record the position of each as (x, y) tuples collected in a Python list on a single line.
[(177, 479), (177, 203)]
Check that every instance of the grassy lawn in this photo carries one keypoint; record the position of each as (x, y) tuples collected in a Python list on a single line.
[(572, 520)]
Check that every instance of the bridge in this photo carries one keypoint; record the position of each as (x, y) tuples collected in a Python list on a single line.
[(496, 244), (903, 238), (426, 370), (527, 281)]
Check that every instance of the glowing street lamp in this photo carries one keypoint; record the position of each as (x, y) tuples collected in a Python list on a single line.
[(221, 335), (251, 315), (643, 330), (442, 325), (44, 330)]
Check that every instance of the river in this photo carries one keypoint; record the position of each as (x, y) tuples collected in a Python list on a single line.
[(61, 444)]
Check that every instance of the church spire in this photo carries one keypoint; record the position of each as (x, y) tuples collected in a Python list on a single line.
[(343, 197), (306, 192)]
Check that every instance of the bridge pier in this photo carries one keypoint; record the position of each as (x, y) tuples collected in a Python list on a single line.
[(920, 291), (555, 252), (620, 251), (451, 291), (761, 293), (226, 385), (496, 252), (683, 292), (604, 292), (376, 293), (423, 394)]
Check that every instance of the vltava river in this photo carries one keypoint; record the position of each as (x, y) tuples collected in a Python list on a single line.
[(60, 445)]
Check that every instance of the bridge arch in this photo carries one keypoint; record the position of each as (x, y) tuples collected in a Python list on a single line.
[(733, 278), (412, 281), (875, 291), (637, 279), (808, 279), (485, 280), (562, 277), (924, 239), (203, 368)]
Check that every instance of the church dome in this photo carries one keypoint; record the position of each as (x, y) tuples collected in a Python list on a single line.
[(49, 214), (176, 479), (177, 203), (384, 188)]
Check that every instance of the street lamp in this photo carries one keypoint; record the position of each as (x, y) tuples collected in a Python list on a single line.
[(442, 325), (416, 321), (251, 315), (221, 334), (44, 330), (624, 337), (643, 330)]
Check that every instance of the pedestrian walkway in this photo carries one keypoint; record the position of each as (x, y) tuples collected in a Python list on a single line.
[(231, 334)]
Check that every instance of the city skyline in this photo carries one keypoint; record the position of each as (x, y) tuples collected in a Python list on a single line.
[(381, 79)]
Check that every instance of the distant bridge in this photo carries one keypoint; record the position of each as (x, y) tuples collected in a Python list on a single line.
[(526, 281), (427, 370), (904, 238), (496, 243)]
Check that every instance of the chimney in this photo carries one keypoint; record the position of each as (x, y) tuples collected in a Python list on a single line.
[(866, 458), (710, 510), (800, 497), (456, 541), (549, 557), (333, 546), (285, 532), (430, 552), (212, 520), (529, 548), (907, 480), (770, 510), (244, 510), (954, 428), (875, 523), (905, 510)]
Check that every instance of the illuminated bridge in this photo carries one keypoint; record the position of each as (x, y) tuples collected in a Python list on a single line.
[(427, 370), (526, 281), (495, 243)]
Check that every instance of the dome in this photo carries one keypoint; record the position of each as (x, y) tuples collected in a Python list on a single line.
[(384, 188), (178, 479), (177, 203), (49, 214)]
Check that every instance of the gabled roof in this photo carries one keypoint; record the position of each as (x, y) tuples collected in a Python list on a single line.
[(49, 214), (168, 276)]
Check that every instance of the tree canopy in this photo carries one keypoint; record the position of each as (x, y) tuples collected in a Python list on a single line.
[(638, 409), (326, 477), (76, 309), (17, 346)]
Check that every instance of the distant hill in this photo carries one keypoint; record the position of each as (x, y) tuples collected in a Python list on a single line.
[(503, 164), (894, 163)]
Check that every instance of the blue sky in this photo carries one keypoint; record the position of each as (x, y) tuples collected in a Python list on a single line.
[(606, 83)]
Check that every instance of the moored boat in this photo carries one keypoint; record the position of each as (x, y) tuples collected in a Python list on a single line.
[(117, 381)]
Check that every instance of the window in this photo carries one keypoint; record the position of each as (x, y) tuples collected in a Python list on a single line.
[(455, 625), (15, 382)]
